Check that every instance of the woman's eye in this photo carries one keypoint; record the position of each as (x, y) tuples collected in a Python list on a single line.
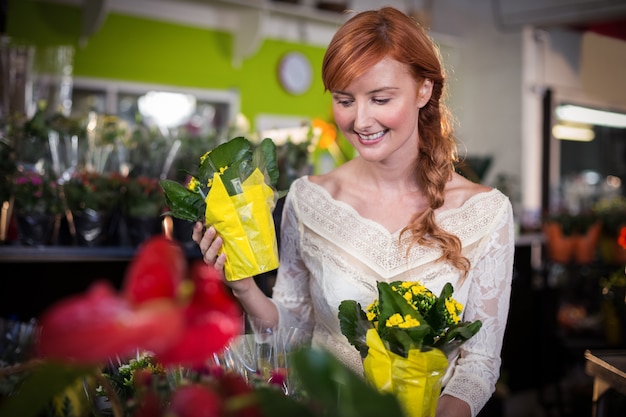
[(380, 100), (344, 102)]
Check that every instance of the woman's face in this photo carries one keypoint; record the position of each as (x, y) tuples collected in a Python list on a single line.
[(377, 112)]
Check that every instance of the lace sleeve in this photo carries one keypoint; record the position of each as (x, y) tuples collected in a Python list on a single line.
[(291, 290), (478, 365)]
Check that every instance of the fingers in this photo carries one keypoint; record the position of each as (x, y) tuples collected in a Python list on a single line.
[(198, 230), (219, 262), (210, 245)]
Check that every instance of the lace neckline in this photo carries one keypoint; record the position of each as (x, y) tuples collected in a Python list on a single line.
[(441, 216)]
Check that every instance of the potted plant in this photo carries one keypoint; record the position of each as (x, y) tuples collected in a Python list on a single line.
[(143, 203), (93, 199), (36, 205), (572, 237)]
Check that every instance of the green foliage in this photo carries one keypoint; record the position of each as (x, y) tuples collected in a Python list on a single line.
[(143, 197), (234, 160), (91, 190), (331, 389), (35, 194), (328, 388), (354, 324), (407, 316), (40, 386)]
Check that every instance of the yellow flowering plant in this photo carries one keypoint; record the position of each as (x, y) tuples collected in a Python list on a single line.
[(234, 191), (404, 338), (407, 315)]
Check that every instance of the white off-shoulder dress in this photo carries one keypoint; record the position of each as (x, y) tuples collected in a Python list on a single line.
[(329, 253)]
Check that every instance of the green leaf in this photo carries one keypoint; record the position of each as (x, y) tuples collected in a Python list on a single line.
[(400, 341), (354, 324), (436, 317), (40, 387), (391, 303), (183, 203), (337, 390), (266, 160), (457, 335), (224, 156), (274, 403)]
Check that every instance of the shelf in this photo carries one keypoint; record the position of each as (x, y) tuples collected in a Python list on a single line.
[(20, 254)]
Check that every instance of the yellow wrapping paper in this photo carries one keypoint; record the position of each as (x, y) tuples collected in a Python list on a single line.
[(245, 223), (416, 380)]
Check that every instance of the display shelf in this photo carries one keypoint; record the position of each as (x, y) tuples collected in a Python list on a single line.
[(20, 254)]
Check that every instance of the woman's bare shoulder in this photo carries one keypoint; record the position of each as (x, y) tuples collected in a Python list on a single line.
[(460, 189), (334, 180)]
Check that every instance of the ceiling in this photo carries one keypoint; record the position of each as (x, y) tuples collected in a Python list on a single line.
[(604, 17)]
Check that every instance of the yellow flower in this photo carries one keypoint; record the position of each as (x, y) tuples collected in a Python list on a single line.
[(203, 157), (454, 308), (402, 322), (372, 311), (193, 184)]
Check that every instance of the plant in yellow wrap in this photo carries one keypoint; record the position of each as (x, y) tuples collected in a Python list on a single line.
[(234, 190), (404, 338)]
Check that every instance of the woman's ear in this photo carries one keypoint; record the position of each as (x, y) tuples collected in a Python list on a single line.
[(424, 92)]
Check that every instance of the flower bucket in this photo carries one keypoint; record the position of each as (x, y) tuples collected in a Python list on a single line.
[(560, 247), (142, 228), (35, 229), (578, 248), (586, 245), (416, 380), (92, 228)]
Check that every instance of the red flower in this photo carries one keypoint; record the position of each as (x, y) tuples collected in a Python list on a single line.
[(212, 317), (99, 324), (147, 315), (195, 401), (621, 240)]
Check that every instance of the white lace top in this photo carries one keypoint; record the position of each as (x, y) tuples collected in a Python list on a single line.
[(329, 253)]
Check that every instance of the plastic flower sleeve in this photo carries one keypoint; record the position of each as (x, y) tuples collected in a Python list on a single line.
[(415, 380), (245, 223)]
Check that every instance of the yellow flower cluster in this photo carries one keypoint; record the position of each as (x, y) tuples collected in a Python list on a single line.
[(453, 307), (421, 299), (402, 322), (194, 185)]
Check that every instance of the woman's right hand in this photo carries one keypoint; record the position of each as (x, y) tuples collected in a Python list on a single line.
[(210, 244)]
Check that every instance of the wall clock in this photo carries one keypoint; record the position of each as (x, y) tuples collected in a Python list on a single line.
[(295, 73)]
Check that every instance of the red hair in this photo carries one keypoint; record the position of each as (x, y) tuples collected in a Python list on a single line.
[(359, 44)]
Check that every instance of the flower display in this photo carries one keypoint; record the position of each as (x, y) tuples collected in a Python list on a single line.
[(143, 197), (149, 349), (93, 190), (404, 338), (233, 190), (35, 194)]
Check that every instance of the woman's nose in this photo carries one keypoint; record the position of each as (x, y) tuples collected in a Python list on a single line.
[(362, 117)]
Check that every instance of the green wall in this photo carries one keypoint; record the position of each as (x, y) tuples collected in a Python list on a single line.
[(130, 48)]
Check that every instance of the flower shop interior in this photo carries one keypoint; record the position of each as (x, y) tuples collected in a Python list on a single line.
[(103, 99)]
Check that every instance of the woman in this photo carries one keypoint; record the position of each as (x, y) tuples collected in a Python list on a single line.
[(398, 211)]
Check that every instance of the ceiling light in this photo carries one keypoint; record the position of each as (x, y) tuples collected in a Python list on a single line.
[(167, 109), (576, 133), (591, 116)]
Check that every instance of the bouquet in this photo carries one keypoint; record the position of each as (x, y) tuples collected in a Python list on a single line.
[(233, 190), (404, 338)]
